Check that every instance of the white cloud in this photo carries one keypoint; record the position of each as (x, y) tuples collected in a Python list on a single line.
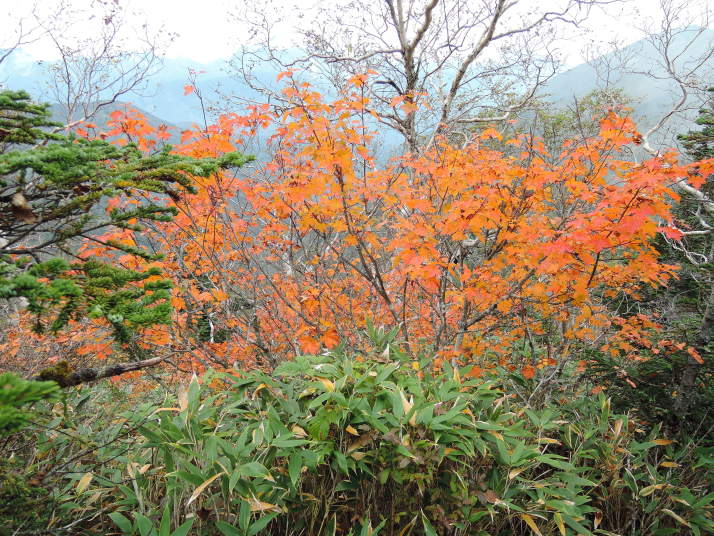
[(206, 32)]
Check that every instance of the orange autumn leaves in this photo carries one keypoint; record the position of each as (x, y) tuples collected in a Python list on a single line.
[(476, 251), (468, 249)]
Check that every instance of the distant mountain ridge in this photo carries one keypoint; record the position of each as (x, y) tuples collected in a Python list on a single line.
[(653, 95), (165, 102), (163, 98), (102, 117)]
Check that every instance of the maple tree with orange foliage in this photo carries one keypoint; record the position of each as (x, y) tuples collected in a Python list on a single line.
[(486, 253)]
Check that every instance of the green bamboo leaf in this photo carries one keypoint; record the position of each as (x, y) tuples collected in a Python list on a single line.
[(165, 526), (144, 524), (227, 529), (429, 529), (294, 467), (260, 524), (184, 529), (122, 522)]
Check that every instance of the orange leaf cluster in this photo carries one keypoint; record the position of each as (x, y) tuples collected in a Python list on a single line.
[(474, 251)]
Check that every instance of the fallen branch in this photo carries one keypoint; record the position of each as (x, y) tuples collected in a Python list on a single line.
[(66, 377)]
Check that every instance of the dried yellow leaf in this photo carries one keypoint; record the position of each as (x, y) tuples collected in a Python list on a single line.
[(515, 472), (183, 397), (84, 482), (618, 427), (559, 522), (298, 431), (260, 506), (200, 488), (531, 523), (598, 518), (548, 440), (676, 517), (669, 464), (329, 386), (166, 409), (649, 490)]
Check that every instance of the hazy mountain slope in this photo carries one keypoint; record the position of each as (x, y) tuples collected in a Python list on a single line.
[(654, 96), (165, 101)]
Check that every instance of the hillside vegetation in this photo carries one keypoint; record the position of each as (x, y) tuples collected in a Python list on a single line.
[(272, 321)]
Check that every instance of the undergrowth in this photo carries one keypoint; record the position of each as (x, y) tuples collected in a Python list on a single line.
[(337, 444)]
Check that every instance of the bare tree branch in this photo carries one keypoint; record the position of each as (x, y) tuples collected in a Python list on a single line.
[(85, 375), (460, 61), (98, 71)]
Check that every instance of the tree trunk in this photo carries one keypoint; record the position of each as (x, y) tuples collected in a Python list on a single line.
[(686, 389), (65, 377)]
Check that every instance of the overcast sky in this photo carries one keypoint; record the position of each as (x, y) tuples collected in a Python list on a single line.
[(207, 33)]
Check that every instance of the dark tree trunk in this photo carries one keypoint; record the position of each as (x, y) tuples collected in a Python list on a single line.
[(688, 380)]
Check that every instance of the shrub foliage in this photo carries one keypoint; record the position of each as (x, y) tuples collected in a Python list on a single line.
[(366, 444)]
